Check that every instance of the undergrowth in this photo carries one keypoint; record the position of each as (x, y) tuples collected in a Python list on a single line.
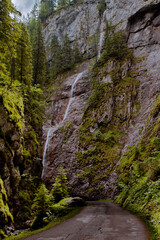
[(139, 175)]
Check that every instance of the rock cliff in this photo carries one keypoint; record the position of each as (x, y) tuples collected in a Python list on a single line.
[(126, 110), (79, 21)]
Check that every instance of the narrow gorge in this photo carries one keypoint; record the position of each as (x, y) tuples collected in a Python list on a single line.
[(101, 119)]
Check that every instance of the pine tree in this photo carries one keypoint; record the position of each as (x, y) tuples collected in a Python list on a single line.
[(76, 55), (56, 56), (101, 7), (67, 58), (60, 187), (9, 34), (62, 3), (43, 201), (24, 58), (39, 57), (46, 8)]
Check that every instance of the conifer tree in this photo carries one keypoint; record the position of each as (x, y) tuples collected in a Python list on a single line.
[(39, 57), (62, 3), (60, 187), (56, 56), (9, 34), (24, 58), (67, 58), (46, 8), (31, 26), (43, 201), (76, 55)]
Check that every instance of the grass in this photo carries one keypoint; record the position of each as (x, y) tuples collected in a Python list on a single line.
[(50, 225)]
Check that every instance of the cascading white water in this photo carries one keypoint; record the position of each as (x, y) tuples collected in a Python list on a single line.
[(102, 33), (71, 97), (53, 129), (49, 136)]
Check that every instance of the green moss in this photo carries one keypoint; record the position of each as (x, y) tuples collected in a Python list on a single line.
[(139, 174), (106, 117), (67, 131), (3, 203), (13, 103), (2, 234)]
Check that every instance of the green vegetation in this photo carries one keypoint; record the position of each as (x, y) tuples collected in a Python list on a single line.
[(43, 201), (101, 7), (39, 56), (63, 57), (44, 209), (24, 75), (60, 187), (5, 215), (53, 223), (48, 7), (106, 117), (67, 130), (139, 175), (21, 102)]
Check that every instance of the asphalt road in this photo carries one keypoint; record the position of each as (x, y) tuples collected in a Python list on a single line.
[(101, 221)]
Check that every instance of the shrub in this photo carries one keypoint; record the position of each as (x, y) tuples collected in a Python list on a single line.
[(60, 187), (43, 201), (101, 7)]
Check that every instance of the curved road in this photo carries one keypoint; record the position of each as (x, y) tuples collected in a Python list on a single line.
[(101, 221)]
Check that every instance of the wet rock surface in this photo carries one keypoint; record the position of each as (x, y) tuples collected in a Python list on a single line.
[(63, 144), (144, 40), (140, 20), (80, 22), (101, 221)]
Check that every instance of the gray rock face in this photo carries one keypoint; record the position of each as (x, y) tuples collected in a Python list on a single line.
[(62, 147), (144, 39), (141, 22), (80, 22)]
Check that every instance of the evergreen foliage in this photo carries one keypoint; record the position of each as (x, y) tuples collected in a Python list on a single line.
[(139, 174), (101, 7), (101, 135), (39, 56), (115, 46), (43, 201), (5, 215), (23, 72), (46, 8), (63, 57), (55, 50), (67, 60), (60, 187), (19, 96), (43, 205), (9, 32)]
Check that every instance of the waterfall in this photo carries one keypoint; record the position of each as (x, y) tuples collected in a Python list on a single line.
[(53, 129), (102, 33), (71, 97), (49, 136)]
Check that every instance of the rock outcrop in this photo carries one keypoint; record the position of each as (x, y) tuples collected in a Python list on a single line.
[(81, 22), (63, 143), (141, 22)]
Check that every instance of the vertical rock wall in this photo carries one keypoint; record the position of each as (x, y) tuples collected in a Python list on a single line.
[(140, 20)]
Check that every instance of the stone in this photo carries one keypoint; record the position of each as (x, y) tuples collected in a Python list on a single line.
[(75, 202), (141, 22), (156, 21), (80, 22)]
